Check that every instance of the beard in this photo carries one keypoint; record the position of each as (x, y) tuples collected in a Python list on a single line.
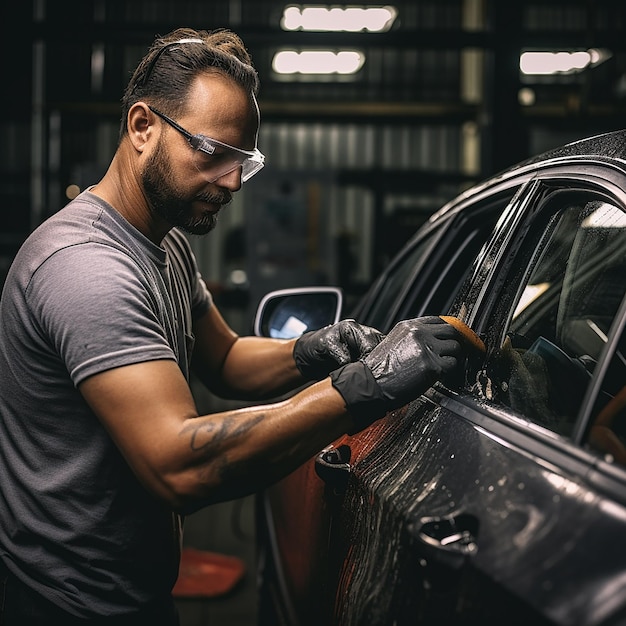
[(170, 202)]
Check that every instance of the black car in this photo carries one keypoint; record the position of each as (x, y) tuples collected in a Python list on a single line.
[(501, 497)]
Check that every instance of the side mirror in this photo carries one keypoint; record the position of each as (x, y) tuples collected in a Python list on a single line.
[(289, 313)]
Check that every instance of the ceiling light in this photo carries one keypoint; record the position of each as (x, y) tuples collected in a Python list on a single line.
[(317, 62), (561, 62), (373, 19)]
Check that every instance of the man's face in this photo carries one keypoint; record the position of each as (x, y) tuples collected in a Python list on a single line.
[(193, 212), (175, 188)]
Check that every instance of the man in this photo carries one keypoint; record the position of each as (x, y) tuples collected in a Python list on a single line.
[(102, 317)]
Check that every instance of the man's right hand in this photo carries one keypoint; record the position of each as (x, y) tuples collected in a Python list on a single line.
[(414, 355), (319, 352)]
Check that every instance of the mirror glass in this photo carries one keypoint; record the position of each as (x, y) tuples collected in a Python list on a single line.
[(290, 313)]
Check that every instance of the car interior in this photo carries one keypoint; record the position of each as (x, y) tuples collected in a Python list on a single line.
[(561, 323)]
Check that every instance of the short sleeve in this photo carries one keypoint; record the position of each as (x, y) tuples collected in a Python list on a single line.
[(98, 309)]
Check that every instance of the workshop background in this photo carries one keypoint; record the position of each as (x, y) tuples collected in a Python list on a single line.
[(355, 162)]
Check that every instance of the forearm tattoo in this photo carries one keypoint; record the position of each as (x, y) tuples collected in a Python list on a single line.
[(207, 435)]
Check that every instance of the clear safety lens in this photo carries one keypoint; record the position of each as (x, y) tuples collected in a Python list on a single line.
[(214, 159)]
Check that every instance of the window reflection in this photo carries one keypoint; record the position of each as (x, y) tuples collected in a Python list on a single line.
[(562, 316)]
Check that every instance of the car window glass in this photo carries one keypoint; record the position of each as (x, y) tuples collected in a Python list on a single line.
[(396, 281), (449, 270), (449, 263), (572, 283)]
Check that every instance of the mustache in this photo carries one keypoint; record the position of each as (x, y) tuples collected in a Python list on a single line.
[(216, 198)]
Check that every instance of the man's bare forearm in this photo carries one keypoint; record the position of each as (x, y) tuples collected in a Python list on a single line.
[(237, 452)]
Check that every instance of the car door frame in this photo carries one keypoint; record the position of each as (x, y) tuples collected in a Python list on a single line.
[(528, 439)]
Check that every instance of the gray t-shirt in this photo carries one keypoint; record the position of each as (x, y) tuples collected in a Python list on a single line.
[(87, 292)]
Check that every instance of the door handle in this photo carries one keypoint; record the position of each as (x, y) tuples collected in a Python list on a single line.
[(449, 540), (444, 545)]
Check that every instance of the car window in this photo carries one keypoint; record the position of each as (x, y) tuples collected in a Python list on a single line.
[(436, 288), (568, 280), (396, 281), (426, 279)]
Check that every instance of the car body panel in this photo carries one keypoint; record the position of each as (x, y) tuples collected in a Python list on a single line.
[(458, 509), (415, 487)]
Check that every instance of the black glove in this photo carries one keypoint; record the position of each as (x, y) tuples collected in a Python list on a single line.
[(319, 352), (414, 355)]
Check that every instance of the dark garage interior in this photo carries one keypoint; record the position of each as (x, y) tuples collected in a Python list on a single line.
[(355, 162)]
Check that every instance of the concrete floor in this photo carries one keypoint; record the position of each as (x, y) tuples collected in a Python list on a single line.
[(226, 528)]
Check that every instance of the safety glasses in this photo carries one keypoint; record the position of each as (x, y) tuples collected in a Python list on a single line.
[(214, 159)]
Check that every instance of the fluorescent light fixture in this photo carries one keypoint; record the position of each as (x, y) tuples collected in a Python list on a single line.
[(536, 63), (318, 62), (373, 19)]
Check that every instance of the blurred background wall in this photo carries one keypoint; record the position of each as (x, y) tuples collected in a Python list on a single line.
[(355, 162)]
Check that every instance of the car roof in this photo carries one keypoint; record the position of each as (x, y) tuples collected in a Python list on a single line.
[(607, 148), (611, 145)]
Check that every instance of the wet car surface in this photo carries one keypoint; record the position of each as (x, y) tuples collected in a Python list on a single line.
[(498, 497)]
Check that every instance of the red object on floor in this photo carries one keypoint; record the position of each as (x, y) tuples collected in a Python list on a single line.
[(205, 574)]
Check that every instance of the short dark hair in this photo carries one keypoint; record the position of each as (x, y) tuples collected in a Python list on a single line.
[(164, 75)]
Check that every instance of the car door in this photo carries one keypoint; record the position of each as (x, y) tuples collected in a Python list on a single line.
[(301, 555), (503, 501)]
